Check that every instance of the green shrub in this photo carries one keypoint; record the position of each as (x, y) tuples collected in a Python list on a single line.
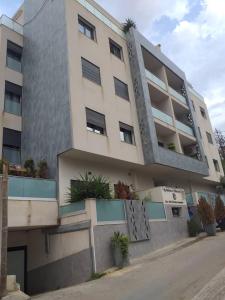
[(129, 23), (42, 171), (89, 186), (205, 212), (121, 241), (193, 227), (29, 165)]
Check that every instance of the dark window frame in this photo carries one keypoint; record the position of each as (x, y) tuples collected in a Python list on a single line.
[(125, 95), (88, 27), (93, 126), (13, 90), (209, 137), (203, 112), (216, 165), (129, 131), (14, 52), (176, 211), (85, 72), (116, 46)]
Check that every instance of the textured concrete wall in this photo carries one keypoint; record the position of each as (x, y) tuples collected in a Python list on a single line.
[(151, 150), (162, 234), (46, 103), (65, 272)]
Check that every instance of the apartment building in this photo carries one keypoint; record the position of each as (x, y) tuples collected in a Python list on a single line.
[(79, 92)]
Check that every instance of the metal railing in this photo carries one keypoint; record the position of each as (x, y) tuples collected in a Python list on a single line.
[(155, 79)]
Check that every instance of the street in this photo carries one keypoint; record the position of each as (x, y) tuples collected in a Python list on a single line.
[(176, 276)]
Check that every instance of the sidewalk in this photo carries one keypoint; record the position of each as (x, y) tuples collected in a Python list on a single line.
[(215, 289)]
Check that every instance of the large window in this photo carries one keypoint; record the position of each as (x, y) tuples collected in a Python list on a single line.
[(11, 146), (121, 89), (14, 57), (86, 28), (91, 71), (95, 122), (116, 49), (216, 165), (13, 95), (203, 113), (209, 137), (126, 133)]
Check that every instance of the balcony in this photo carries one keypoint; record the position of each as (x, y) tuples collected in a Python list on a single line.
[(4, 20), (177, 96), (162, 116), (32, 202), (186, 129), (155, 80)]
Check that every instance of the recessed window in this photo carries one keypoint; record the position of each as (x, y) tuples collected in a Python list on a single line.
[(209, 137), (206, 159), (193, 104), (126, 133), (11, 146), (86, 28), (176, 211), (121, 89), (116, 49), (13, 95), (216, 165), (199, 130), (95, 122), (91, 71), (14, 57), (203, 113)]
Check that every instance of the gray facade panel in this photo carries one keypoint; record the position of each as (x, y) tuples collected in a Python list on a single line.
[(162, 233), (65, 272), (152, 152), (46, 101)]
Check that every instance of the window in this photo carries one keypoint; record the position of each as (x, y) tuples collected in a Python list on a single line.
[(115, 49), (14, 57), (199, 130), (86, 28), (95, 122), (203, 113), (193, 104), (13, 95), (216, 165), (121, 89), (11, 146), (176, 211), (209, 137), (91, 71), (206, 159), (126, 133)]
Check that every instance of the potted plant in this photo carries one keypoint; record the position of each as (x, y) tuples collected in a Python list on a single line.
[(29, 165), (120, 248), (219, 212), (193, 227), (122, 191), (172, 147), (129, 23), (207, 217), (89, 187), (42, 171)]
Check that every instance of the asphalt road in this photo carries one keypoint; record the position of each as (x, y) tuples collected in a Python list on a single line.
[(176, 276)]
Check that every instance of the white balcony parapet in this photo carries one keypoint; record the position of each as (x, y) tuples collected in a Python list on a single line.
[(196, 94), (177, 96), (155, 79), (181, 126), (6, 21), (158, 114)]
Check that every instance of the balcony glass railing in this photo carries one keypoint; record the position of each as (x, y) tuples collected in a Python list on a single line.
[(155, 79), (12, 155), (158, 114), (4, 20), (12, 105), (181, 126), (23, 187), (178, 96)]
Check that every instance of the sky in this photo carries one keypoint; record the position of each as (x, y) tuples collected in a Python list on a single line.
[(191, 33)]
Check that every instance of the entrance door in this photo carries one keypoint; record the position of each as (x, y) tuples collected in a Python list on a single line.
[(17, 265)]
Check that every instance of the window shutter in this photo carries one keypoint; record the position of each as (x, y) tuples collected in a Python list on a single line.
[(95, 118), (121, 89), (11, 138), (13, 88), (14, 48), (90, 71)]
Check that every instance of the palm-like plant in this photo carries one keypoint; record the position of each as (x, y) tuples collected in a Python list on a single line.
[(129, 23)]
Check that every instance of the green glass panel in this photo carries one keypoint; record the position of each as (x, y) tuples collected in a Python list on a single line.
[(72, 207), (110, 210), (155, 210)]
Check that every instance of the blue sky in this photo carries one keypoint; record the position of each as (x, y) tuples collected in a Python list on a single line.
[(191, 33)]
